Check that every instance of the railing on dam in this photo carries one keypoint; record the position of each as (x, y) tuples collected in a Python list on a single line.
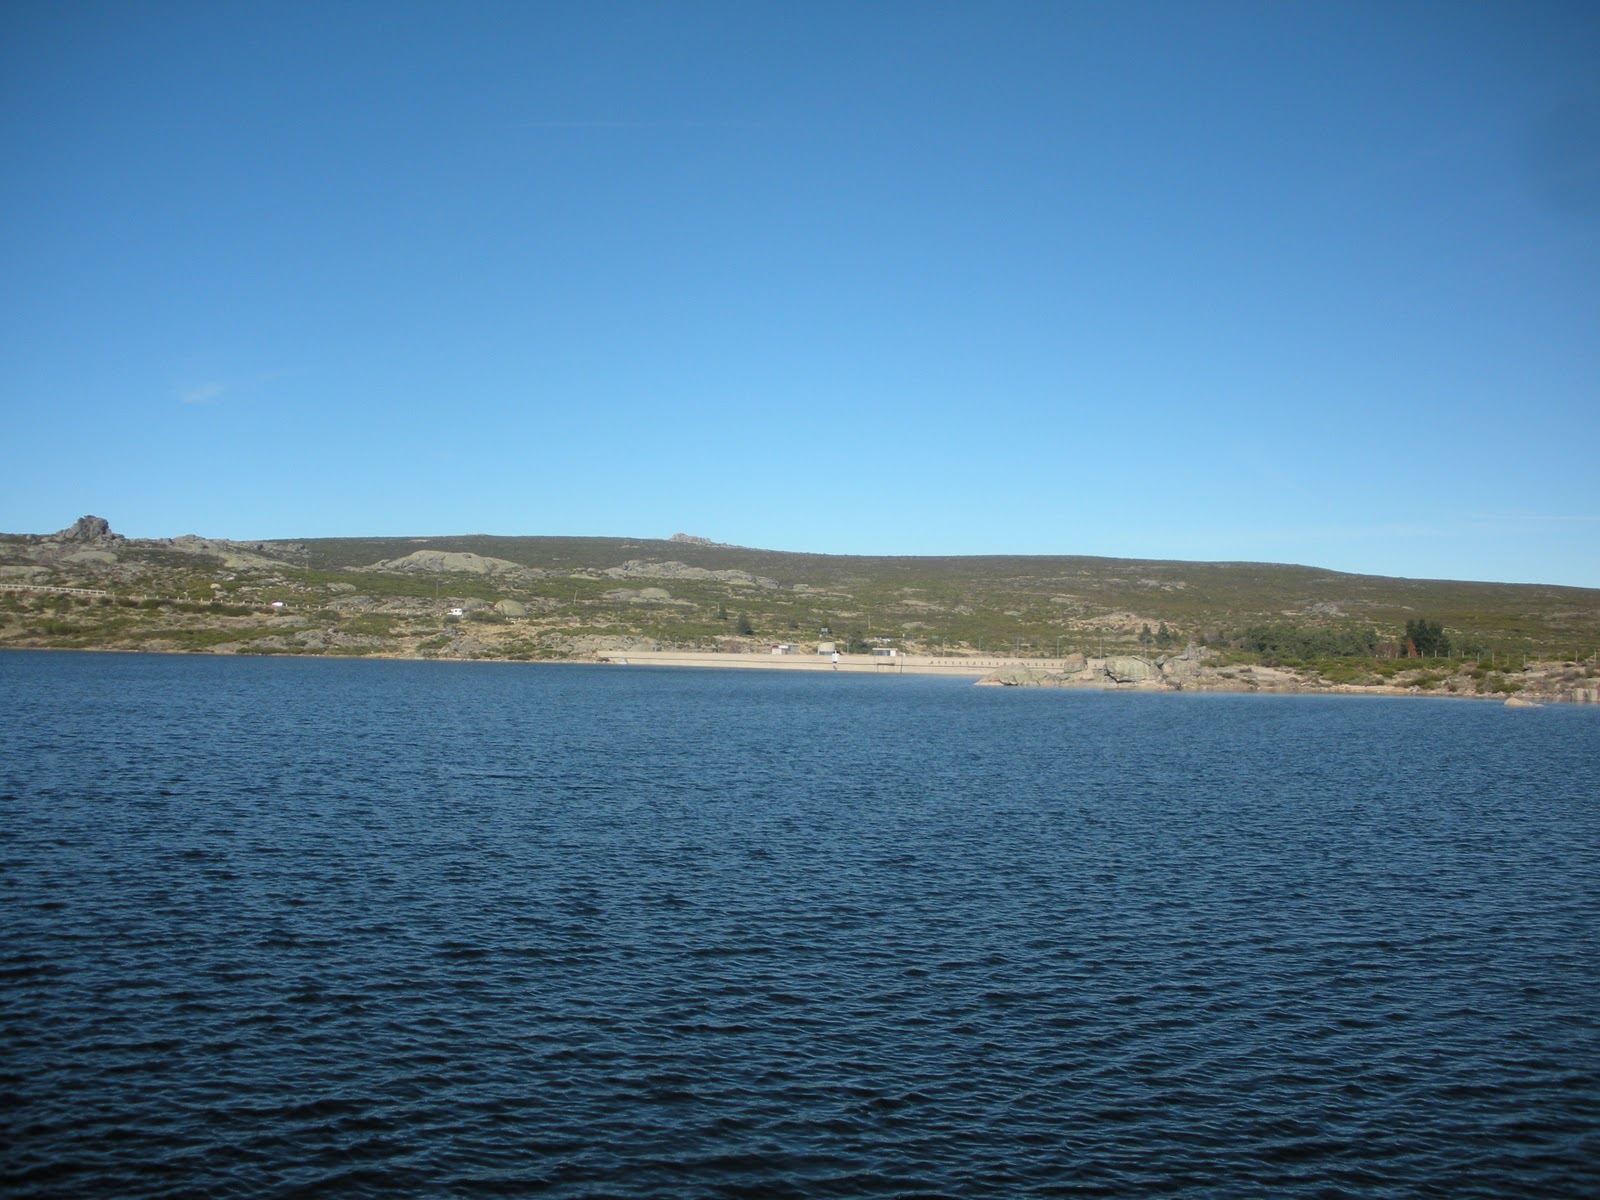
[(40, 587)]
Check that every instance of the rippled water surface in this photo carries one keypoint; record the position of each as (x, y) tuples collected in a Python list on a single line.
[(300, 927)]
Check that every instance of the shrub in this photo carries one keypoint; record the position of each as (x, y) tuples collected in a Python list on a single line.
[(1342, 670), (1279, 640)]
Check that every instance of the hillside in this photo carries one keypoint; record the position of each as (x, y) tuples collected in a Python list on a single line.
[(476, 596)]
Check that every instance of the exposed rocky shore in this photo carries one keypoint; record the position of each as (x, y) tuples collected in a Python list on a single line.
[(1199, 670)]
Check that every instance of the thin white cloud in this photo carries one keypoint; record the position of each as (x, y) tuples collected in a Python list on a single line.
[(203, 393), (212, 390)]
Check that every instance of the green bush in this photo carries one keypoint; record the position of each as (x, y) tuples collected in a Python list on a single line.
[(1342, 670), (1280, 640), (369, 625), (1494, 681)]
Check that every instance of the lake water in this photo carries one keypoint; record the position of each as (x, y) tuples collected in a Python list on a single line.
[(279, 927)]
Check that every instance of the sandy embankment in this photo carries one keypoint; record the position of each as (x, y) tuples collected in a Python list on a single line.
[(860, 664)]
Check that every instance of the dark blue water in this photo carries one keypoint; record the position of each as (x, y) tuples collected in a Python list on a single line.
[(298, 927)]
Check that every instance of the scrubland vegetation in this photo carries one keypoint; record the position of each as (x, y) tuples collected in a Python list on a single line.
[(543, 598)]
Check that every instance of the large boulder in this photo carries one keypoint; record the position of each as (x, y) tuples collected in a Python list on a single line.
[(1126, 668), (1180, 666), (1015, 677)]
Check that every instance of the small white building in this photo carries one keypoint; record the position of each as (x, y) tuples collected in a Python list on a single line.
[(783, 648), (825, 648), (883, 652)]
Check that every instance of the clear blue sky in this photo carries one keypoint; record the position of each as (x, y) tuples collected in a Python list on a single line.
[(1289, 282)]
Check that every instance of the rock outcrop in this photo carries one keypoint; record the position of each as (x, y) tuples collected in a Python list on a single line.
[(434, 562), (90, 530), (649, 595), (237, 555), (1118, 671), (638, 568)]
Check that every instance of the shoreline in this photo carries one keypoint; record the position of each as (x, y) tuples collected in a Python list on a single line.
[(975, 666), (987, 671), (983, 670)]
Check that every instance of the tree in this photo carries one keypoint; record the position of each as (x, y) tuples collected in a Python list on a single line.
[(1426, 638), (742, 626)]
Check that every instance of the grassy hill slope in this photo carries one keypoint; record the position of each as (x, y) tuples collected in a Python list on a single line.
[(553, 597)]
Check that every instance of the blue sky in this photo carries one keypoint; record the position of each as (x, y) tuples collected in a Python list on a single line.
[(1285, 282)]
